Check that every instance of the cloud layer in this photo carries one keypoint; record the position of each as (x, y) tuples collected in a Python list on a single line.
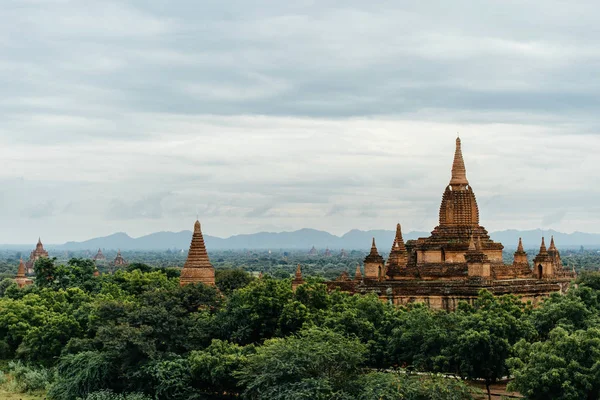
[(136, 116)]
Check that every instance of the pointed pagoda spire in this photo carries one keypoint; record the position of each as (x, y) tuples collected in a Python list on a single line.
[(260, 275), (552, 246), (21, 270), (520, 247), (197, 267), (398, 240), (374, 251), (358, 274), (96, 272), (459, 172), (543, 247), (299, 273)]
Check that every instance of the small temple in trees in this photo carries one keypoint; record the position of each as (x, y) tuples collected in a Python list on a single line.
[(457, 260), (99, 256), (35, 255), (119, 260), (197, 267)]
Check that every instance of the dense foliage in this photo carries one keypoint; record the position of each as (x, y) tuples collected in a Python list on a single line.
[(136, 334)]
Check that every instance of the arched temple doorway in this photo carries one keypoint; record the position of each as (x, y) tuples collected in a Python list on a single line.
[(540, 271)]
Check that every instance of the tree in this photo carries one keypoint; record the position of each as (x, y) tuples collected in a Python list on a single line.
[(485, 337), (45, 271), (227, 280), (565, 367), (317, 364), (213, 368)]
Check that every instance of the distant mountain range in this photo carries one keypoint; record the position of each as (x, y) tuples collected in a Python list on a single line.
[(306, 238)]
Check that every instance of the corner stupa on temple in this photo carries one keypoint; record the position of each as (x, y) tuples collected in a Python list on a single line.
[(35, 255), (197, 267), (458, 259)]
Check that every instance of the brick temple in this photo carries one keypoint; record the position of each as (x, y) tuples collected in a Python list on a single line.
[(457, 260)]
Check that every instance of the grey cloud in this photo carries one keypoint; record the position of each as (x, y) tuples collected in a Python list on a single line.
[(277, 114), (147, 208), (41, 210)]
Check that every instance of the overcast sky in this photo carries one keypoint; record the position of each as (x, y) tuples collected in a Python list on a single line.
[(135, 116)]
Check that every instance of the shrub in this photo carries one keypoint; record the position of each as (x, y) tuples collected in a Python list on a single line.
[(29, 379), (109, 395)]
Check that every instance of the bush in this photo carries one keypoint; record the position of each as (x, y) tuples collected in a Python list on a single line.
[(30, 379), (109, 395)]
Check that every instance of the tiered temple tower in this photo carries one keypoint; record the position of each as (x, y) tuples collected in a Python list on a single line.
[(35, 255), (197, 267)]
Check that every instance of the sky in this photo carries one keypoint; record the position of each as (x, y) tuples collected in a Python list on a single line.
[(137, 116)]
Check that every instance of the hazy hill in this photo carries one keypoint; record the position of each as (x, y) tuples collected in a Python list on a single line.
[(306, 238)]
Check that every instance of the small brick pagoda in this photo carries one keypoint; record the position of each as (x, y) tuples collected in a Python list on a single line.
[(35, 255), (21, 279), (457, 260), (197, 267)]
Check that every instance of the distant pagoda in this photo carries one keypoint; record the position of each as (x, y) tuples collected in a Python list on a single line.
[(119, 260), (313, 252), (343, 254), (298, 280), (35, 255), (197, 267), (327, 252), (99, 256)]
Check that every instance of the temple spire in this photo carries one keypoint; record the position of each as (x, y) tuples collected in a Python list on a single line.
[(299, 273), (398, 240), (374, 248), (552, 246), (459, 172), (543, 247), (520, 247)]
